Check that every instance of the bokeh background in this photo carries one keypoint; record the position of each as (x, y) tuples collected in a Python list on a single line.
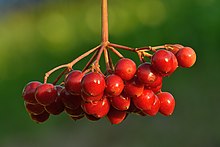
[(37, 35)]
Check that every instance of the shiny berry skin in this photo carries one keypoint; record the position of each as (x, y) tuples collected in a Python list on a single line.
[(156, 83), (125, 68), (56, 107), (73, 82), (145, 100), (114, 85), (93, 84), (89, 98), (167, 103), (146, 74), (186, 57), (133, 87), (34, 109), (97, 108), (155, 89), (41, 117), (115, 116), (164, 62), (121, 102), (46, 94), (70, 101), (154, 108), (29, 92)]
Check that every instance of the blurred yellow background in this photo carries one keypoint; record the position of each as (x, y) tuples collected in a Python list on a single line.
[(37, 35)]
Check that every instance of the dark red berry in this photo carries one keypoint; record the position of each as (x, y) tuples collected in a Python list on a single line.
[(34, 109), (186, 57), (46, 94), (70, 101), (145, 100), (93, 84), (56, 107), (41, 117), (133, 87), (167, 103), (29, 92), (125, 68), (145, 73), (116, 116), (154, 108), (121, 102), (89, 98), (114, 85), (73, 82), (133, 108), (97, 108)]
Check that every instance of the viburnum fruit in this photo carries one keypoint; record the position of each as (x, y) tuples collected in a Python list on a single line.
[(46, 94), (125, 68), (186, 57), (114, 91), (29, 92), (93, 84), (167, 103)]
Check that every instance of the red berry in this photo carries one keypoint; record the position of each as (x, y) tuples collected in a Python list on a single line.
[(77, 112), (56, 107), (29, 92), (46, 94), (73, 82), (34, 109), (186, 57), (70, 101), (145, 100), (116, 116), (125, 68), (93, 84), (121, 102), (133, 87), (155, 89), (114, 85), (164, 62), (156, 83), (97, 108), (167, 103), (145, 73), (89, 98), (154, 108), (41, 117)]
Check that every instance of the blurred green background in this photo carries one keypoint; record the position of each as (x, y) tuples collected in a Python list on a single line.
[(37, 35)]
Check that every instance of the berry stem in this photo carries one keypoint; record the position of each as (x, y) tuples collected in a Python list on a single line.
[(104, 21), (107, 62), (122, 47), (90, 61), (69, 65), (116, 52), (60, 76)]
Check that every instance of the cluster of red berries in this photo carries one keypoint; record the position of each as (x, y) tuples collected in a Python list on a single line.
[(128, 89)]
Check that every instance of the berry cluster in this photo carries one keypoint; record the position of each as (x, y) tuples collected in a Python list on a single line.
[(122, 90)]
